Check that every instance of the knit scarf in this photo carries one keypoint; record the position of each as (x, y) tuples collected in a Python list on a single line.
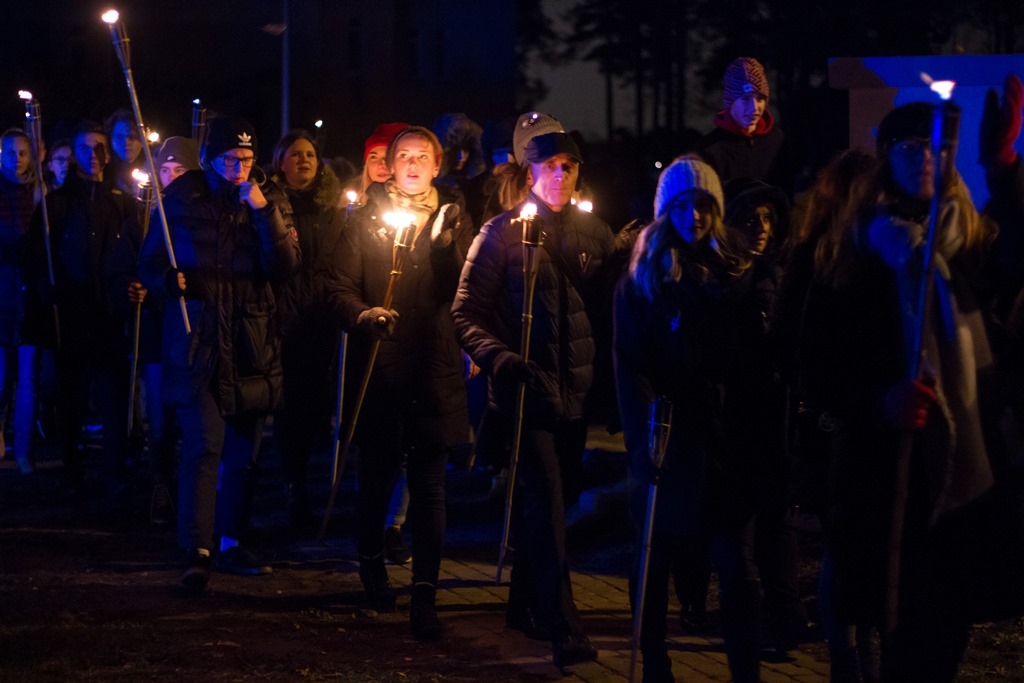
[(423, 205)]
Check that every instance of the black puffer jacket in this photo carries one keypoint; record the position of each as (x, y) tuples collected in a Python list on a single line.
[(489, 304), (418, 378), (94, 237), (231, 256)]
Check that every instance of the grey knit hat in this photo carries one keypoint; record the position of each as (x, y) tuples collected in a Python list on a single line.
[(686, 173), (529, 126)]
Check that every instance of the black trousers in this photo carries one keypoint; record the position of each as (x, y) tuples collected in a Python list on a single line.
[(548, 475)]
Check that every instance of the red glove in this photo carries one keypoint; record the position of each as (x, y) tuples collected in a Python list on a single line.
[(1000, 126), (906, 404)]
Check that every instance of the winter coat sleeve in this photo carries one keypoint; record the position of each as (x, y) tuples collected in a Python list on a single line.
[(632, 386), (279, 246), (480, 284), (341, 278)]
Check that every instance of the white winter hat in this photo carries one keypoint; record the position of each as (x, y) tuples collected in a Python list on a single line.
[(687, 172)]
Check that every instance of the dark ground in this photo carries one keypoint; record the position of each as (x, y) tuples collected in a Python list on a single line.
[(85, 596)]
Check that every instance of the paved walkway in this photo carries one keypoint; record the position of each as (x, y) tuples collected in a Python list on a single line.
[(324, 574)]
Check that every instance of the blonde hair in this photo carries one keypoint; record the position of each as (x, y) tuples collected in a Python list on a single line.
[(844, 242), (657, 257)]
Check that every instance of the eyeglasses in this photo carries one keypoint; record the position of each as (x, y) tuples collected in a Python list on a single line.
[(235, 162), (911, 146)]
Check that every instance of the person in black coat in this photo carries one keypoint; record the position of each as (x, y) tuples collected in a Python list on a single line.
[(573, 265), (682, 317), (415, 404), (746, 142), (224, 377), (871, 266), (309, 337), (95, 236)]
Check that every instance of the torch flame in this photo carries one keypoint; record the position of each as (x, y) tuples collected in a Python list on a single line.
[(110, 16), (25, 95), (528, 212), (944, 89), (399, 219)]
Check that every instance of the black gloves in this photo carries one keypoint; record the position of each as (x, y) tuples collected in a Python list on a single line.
[(510, 368), (378, 322)]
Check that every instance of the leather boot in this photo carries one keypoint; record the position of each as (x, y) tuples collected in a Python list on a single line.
[(423, 614), (377, 591)]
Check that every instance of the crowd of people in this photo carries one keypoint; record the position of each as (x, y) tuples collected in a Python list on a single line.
[(855, 353)]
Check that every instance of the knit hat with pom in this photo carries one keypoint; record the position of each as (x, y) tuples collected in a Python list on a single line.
[(686, 173)]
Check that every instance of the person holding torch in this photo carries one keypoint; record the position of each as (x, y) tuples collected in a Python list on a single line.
[(489, 318), (390, 283), (681, 314), (224, 377)]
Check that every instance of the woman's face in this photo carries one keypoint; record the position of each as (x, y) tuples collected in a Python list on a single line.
[(912, 167), (757, 228), (692, 214), (415, 164), (376, 164), (299, 164)]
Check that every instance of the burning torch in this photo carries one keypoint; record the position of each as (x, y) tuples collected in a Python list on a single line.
[(403, 225), (35, 133), (121, 46), (944, 141), (533, 237), (144, 194)]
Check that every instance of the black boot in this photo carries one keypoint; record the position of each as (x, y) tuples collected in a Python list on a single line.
[(378, 593), (422, 614)]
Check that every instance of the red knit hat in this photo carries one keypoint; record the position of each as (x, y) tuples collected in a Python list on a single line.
[(382, 136), (744, 75)]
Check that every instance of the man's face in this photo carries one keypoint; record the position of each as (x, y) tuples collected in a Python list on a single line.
[(235, 165), (299, 164), (59, 163), (91, 155), (415, 164), (692, 215), (16, 156), (554, 180), (125, 142), (748, 109), (169, 170)]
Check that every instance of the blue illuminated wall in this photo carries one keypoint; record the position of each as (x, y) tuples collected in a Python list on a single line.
[(878, 84)]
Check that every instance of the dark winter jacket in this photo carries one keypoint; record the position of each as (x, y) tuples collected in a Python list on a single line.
[(94, 236), (418, 379), (16, 206), (317, 218), (573, 267), (232, 257), (687, 345), (735, 154)]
